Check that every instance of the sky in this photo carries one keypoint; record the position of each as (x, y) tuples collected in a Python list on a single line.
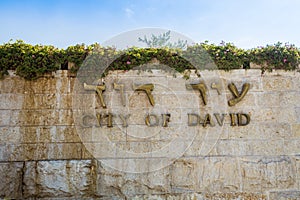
[(246, 23)]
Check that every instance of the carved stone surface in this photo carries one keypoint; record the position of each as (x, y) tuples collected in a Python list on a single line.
[(43, 156)]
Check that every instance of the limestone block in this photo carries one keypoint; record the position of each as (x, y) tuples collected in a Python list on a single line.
[(261, 147), (177, 84), (46, 134), (139, 99), (245, 132), (11, 101), (33, 117), (131, 189), (138, 115), (109, 182), (273, 131), (84, 101), (282, 195), (61, 73), (251, 174), (275, 115), (292, 146), (5, 117), (42, 151), (248, 101), (158, 180), (231, 147), (64, 134), (59, 178), (277, 83), (4, 153), (39, 101), (44, 85), (277, 173), (239, 80), (64, 84), (297, 109), (150, 197), (289, 98), (297, 160), (63, 101), (183, 174), (236, 196), (189, 196), (219, 174), (269, 99), (11, 180), (296, 130), (14, 85), (183, 100), (30, 180), (296, 80), (64, 151), (24, 152), (64, 117), (10, 135)]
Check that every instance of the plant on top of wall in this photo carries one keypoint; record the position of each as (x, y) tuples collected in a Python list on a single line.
[(277, 56), (32, 61), (29, 61)]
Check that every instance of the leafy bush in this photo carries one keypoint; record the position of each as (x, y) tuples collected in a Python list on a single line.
[(32, 61), (29, 61), (227, 56), (277, 56)]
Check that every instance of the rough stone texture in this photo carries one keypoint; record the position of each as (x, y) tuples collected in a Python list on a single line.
[(43, 155), (11, 176), (70, 178)]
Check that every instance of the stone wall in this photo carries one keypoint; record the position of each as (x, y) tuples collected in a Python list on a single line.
[(43, 156)]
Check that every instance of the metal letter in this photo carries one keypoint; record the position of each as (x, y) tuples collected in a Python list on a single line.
[(240, 119), (148, 120), (99, 119), (233, 119), (124, 119), (166, 119), (238, 96), (202, 89), (99, 89), (148, 88), (219, 119), (109, 120), (207, 120)]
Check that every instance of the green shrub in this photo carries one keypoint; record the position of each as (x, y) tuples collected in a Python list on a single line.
[(277, 56), (32, 61), (227, 56)]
